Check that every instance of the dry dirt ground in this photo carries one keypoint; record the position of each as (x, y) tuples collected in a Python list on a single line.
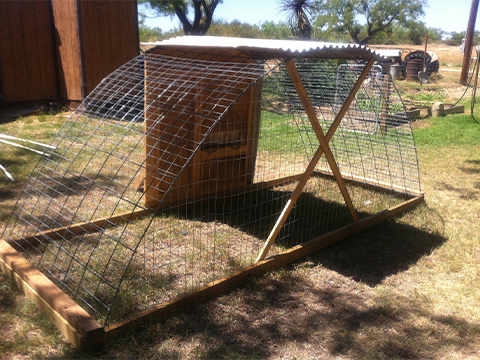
[(364, 298)]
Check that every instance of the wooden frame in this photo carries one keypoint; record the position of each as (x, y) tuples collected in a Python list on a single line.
[(78, 228), (84, 332), (72, 321)]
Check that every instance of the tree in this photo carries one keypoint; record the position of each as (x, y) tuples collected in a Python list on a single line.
[(455, 38), (299, 13), (411, 33), (202, 10), (272, 30), (234, 28), (344, 16), (145, 32)]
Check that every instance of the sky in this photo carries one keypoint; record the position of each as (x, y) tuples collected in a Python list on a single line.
[(449, 15)]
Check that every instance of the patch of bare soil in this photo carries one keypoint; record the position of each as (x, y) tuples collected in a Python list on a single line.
[(421, 124)]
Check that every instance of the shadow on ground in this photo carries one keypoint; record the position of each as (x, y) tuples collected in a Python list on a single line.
[(463, 193), (378, 253)]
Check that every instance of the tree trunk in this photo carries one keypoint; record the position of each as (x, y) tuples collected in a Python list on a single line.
[(197, 27)]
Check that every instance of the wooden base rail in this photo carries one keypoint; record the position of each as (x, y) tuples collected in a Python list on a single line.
[(226, 284), (72, 321), (372, 183), (95, 225), (67, 232), (83, 331)]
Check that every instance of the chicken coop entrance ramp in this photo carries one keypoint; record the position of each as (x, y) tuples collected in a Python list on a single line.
[(201, 164)]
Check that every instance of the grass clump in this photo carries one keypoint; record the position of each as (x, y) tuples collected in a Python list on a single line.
[(456, 130)]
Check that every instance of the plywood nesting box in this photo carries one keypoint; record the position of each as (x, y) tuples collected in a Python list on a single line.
[(251, 155), (223, 158)]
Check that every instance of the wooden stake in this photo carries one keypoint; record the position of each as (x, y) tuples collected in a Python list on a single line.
[(297, 81)]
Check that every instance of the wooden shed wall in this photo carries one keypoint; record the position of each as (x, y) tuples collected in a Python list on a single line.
[(27, 62), (68, 50), (109, 35), (52, 49)]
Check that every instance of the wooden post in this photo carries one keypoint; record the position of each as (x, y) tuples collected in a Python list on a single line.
[(385, 101), (297, 81), (469, 42), (290, 204)]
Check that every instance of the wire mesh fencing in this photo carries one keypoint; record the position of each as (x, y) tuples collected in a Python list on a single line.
[(173, 172)]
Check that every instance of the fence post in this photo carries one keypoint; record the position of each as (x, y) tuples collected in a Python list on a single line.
[(385, 99)]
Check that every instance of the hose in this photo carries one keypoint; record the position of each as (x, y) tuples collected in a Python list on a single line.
[(475, 68)]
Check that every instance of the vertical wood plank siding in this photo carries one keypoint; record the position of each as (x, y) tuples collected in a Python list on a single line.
[(48, 50), (65, 17), (110, 37), (27, 62)]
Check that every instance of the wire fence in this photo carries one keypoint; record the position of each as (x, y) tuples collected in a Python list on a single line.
[(173, 172)]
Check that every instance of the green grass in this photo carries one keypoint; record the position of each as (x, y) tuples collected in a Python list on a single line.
[(275, 135), (445, 64), (426, 94), (41, 128), (455, 130), (427, 97)]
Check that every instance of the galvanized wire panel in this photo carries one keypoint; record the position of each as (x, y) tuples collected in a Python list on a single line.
[(374, 141), (207, 154)]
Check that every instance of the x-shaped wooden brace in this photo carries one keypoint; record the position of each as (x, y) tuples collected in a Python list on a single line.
[(322, 149)]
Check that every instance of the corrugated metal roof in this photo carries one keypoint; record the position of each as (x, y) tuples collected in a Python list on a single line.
[(285, 47)]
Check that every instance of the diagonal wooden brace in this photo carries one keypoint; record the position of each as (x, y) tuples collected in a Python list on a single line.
[(323, 148), (312, 116)]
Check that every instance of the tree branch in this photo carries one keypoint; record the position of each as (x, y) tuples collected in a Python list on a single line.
[(198, 13), (209, 9), (354, 36), (381, 28), (187, 27), (214, 4)]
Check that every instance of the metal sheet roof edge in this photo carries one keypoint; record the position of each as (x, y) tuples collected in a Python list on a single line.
[(286, 46)]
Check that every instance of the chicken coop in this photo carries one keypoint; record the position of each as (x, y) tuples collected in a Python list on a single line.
[(200, 164)]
